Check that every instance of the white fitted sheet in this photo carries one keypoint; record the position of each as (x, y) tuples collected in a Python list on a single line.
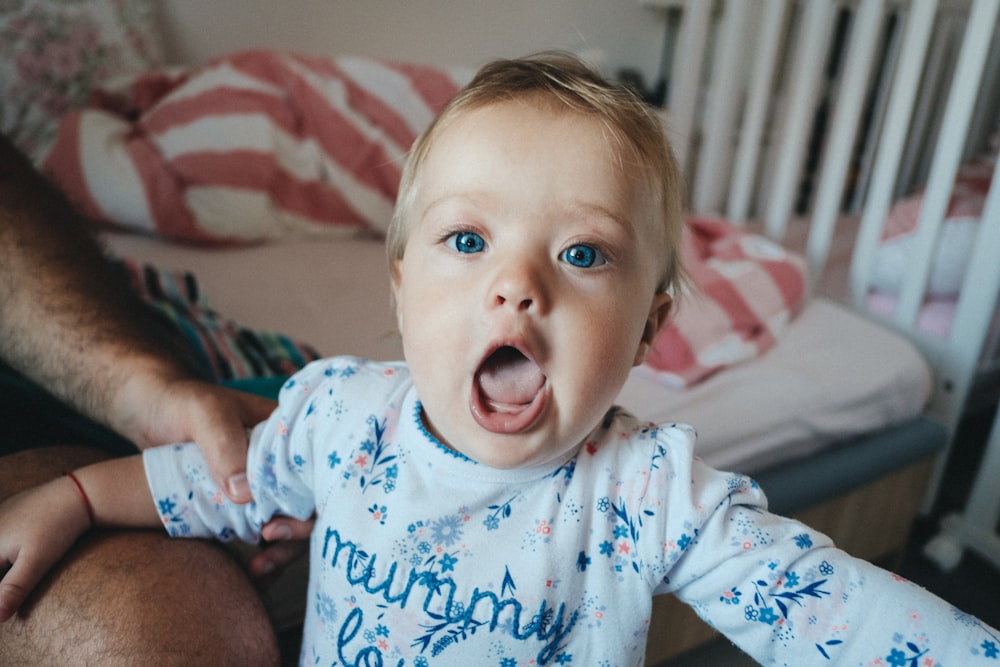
[(835, 374)]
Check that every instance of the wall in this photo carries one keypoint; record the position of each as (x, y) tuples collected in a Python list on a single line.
[(469, 32)]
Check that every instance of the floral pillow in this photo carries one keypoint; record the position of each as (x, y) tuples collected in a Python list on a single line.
[(53, 53)]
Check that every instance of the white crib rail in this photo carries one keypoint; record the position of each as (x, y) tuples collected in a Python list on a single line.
[(914, 85)]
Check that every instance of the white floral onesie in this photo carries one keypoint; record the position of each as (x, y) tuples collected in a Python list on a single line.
[(420, 556)]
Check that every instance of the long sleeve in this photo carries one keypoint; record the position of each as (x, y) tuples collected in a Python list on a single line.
[(785, 595)]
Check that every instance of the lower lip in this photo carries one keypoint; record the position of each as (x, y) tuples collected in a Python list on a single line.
[(508, 422)]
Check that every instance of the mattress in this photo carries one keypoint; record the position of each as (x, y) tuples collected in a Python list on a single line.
[(834, 375)]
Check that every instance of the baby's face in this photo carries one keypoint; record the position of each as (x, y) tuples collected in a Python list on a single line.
[(528, 286)]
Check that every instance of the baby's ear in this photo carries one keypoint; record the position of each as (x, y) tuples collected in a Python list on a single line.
[(395, 279), (659, 313)]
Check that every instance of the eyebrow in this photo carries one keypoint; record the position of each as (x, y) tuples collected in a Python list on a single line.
[(481, 199), (473, 199)]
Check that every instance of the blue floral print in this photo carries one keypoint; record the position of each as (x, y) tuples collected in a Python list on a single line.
[(497, 512), (374, 460)]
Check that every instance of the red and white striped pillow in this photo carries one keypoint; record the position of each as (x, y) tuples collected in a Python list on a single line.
[(253, 146), (745, 291)]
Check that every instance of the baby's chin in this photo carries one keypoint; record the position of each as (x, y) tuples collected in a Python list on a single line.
[(511, 456), (502, 451)]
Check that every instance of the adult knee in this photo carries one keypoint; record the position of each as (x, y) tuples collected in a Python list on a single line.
[(136, 597), (133, 597)]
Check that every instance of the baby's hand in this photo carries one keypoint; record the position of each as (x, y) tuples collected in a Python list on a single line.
[(37, 528)]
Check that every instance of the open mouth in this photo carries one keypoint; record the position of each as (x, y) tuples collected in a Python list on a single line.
[(509, 391)]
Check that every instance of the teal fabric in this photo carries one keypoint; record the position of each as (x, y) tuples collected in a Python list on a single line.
[(267, 387)]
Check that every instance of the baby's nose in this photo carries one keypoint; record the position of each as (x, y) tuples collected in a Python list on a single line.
[(520, 287), (524, 304)]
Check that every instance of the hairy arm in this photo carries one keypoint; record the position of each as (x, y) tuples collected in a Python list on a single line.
[(67, 321)]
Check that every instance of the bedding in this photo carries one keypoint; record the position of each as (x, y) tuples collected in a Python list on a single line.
[(250, 147), (936, 312), (742, 293), (956, 238), (955, 243), (223, 349)]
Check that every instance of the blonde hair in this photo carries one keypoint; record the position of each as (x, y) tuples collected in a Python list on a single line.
[(565, 82)]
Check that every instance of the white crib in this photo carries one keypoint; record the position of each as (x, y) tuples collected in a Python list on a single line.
[(864, 100)]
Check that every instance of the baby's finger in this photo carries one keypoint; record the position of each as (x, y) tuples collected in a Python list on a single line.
[(285, 528), (17, 583), (276, 557)]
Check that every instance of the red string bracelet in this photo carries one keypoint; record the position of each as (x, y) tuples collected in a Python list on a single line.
[(86, 500)]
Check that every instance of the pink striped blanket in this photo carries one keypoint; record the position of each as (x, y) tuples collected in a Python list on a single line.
[(745, 290)]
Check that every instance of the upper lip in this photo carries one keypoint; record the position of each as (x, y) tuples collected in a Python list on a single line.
[(517, 343)]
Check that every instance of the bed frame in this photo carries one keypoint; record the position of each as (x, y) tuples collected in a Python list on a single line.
[(827, 111)]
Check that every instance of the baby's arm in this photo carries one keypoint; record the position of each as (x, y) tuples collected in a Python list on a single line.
[(784, 594), (39, 526)]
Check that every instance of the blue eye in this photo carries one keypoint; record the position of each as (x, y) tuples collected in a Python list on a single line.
[(583, 256), (467, 242)]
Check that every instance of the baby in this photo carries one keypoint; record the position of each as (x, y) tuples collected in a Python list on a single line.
[(484, 503)]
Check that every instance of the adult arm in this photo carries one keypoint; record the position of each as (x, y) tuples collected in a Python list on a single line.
[(71, 325)]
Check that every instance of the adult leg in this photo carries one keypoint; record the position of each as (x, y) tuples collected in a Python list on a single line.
[(132, 597)]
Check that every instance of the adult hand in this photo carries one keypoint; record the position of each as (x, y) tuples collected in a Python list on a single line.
[(152, 408), (155, 410)]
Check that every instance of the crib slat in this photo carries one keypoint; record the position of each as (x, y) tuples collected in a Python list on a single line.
[(948, 153), (983, 508), (686, 78), (985, 114), (913, 168), (866, 24), (976, 526), (984, 118), (810, 52), (981, 286), (720, 112), (751, 131), (890, 148), (883, 88)]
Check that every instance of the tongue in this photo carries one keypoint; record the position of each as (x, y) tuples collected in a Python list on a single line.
[(508, 378)]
